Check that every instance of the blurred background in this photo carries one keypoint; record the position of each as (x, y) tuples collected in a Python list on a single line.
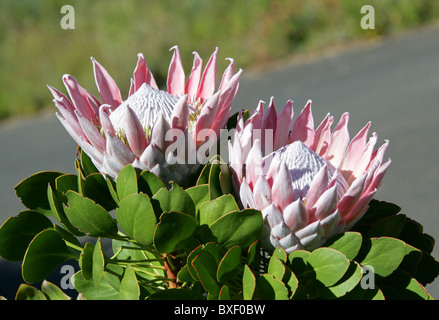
[(288, 49)]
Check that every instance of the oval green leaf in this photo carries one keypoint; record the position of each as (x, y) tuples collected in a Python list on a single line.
[(45, 253), (136, 218), (329, 265), (88, 216)]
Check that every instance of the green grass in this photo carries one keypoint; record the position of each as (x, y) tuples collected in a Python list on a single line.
[(35, 50)]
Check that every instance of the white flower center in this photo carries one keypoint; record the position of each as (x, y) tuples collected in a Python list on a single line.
[(303, 165), (147, 103)]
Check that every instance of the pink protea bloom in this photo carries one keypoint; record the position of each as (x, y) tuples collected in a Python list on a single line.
[(115, 133), (309, 184)]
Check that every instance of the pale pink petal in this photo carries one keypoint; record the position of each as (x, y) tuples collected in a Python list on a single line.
[(355, 151), (283, 124), (118, 150), (93, 134), (105, 119), (269, 128), (325, 205), (207, 115), (365, 160), (78, 97), (176, 77), (257, 116), (193, 81), (142, 74), (207, 85), (303, 127), (227, 75), (253, 163), (180, 114), (158, 133), (108, 90), (318, 186), (282, 193), (228, 93), (350, 198), (322, 136), (340, 140), (296, 215), (246, 195), (262, 192), (134, 132)]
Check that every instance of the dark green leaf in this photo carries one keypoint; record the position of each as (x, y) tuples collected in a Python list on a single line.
[(175, 199), (17, 232), (383, 254), (149, 183), (328, 264), (32, 191), (129, 287), (206, 268), (276, 268), (96, 188), (240, 228), (172, 230), (229, 264), (214, 209), (86, 261), (45, 253), (52, 292), (66, 182), (349, 243), (88, 216), (126, 182), (98, 263), (269, 288), (27, 292), (136, 218)]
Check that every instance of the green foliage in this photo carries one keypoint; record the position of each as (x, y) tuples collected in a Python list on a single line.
[(169, 242)]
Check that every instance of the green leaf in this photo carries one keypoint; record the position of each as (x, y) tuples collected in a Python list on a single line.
[(253, 256), (52, 292), (298, 261), (172, 230), (66, 182), (88, 216), (237, 228), (98, 263), (129, 287), (111, 186), (224, 293), (17, 232), (175, 199), (383, 254), (215, 190), (214, 209), (225, 179), (276, 268), (108, 288), (27, 292), (32, 191), (291, 282), (270, 288), (400, 286), (45, 253), (391, 227), (86, 261), (126, 182), (136, 218), (229, 264), (348, 243), (206, 267), (189, 265), (329, 265), (281, 254), (348, 282), (56, 204), (248, 283), (96, 189), (199, 195), (149, 183)]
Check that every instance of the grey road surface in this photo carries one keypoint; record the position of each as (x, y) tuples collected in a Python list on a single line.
[(393, 83)]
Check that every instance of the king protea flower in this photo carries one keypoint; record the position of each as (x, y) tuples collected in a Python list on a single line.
[(149, 127), (308, 183)]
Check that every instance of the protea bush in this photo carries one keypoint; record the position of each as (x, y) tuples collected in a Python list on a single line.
[(151, 125), (309, 183), (289, 217)]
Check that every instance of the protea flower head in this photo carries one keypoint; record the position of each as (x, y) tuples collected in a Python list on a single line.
[(308, 183), (151, 125)]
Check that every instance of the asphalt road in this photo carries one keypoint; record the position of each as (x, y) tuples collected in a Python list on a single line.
[(393, 83)]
